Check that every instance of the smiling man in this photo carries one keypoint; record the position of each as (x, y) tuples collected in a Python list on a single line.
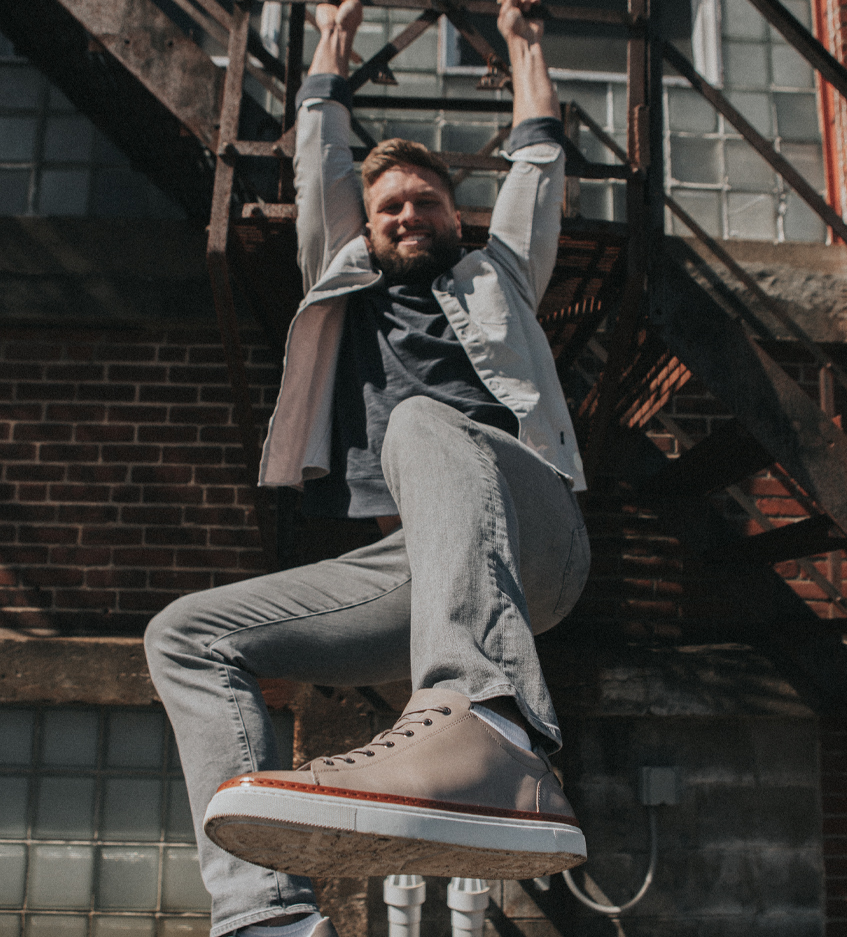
[(418, 390)]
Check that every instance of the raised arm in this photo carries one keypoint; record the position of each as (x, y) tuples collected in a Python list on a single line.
[(329, 198), (337, 25), (534, 94)]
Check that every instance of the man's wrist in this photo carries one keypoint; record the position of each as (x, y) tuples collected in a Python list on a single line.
[(535, 130)]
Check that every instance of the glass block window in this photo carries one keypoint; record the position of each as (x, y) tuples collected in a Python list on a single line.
[(96, 837), (713, 172), (53, 160)]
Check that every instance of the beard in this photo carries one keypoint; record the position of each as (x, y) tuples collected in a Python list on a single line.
[(422, 266)]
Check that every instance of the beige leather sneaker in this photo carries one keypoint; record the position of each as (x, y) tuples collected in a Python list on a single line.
[(442, 793)]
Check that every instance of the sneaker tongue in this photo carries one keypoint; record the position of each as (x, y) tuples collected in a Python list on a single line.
[(436, 699)]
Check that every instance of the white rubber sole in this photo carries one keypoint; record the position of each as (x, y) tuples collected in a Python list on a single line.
[(316, 834)]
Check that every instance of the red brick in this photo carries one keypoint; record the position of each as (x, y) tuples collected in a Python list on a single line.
[(70, 452), (226, 578), (207, 355), (780, 507), (192, 455), (215, 517), (138, 373), (21, 411), (87, 514), (82, 493), (167, 494), (74, 372), (33, 351), (17, 451), (25, 598), (94, 432), (85, 598), (113, 535), (47, 534), (94, 474), (167, 434), (30, 472), (220, 559), (54, 576), (142, 556), (185, 374), (220, 475), (32, 492), (161, 474), (44, 391), (80, 556), (116, 578), (199, 416), (192, 337), (126, 494), (836, 865), (28, 513), (137, 414), (23, 372), (180, 579), (43, 432), (76, 412), (131, 453), (220, 496), (107, 392), (5, 431), (124, 352), (146, 601), (241, 537), (223, 394), (148, 515), (807, 590), (220, 434), (175, 536), (8, 534), (26, 557), (167, 393), (172, 354)]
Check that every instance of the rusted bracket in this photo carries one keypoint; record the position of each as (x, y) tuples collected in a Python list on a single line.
[(216, 259), (756, 140)]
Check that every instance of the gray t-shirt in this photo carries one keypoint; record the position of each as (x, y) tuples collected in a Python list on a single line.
[(397, 343)]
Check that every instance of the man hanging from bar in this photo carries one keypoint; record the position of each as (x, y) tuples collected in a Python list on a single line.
[(419, 390)]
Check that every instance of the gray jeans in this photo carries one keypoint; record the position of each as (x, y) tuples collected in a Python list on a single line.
[(492, 549)]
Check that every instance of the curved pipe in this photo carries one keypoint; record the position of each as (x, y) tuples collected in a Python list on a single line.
[(614, 910)]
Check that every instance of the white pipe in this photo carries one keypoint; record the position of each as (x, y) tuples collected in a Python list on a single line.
[(404, 895), (467, 899)]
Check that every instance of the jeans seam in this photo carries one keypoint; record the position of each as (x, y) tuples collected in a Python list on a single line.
[(210, 647)]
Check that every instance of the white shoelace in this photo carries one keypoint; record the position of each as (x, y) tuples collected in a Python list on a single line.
[(301, 928), (515, 734)]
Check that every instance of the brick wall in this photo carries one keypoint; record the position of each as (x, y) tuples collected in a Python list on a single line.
[(122, 484)]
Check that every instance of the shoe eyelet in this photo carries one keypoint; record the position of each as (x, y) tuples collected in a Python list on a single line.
[(350, 761), (328, 762), (370, 754), (427, 722), (446, 711), (389, 744), (409, 734)]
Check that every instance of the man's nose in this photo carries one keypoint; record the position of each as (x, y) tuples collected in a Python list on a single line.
[(410, 213)]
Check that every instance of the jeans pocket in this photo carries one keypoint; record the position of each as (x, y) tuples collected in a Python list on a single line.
[(576, 572)]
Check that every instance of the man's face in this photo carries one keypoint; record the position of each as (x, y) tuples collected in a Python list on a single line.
[(413, 227)]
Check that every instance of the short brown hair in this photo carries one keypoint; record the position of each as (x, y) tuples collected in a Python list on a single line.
[(397, 152)]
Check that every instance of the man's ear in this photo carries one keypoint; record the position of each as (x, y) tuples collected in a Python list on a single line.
[(458, 224), (367, 234)]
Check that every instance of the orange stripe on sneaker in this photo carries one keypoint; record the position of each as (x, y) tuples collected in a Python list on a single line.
[(247, 780)]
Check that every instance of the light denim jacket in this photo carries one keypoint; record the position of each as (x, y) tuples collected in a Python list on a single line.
[(490, 299)]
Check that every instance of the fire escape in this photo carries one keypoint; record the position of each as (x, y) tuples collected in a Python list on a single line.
[(631, 314)]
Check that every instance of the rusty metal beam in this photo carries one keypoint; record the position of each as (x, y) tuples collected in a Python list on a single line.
[(773, 408), (823, 359), (377, 63), (757, 141), (810, 537), (216, 259), (172, 67)]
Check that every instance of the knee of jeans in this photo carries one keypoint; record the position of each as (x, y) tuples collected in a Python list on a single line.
[(167, 636)]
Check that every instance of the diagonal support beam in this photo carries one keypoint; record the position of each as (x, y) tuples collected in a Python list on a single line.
[(172, 67), (773, 408)]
